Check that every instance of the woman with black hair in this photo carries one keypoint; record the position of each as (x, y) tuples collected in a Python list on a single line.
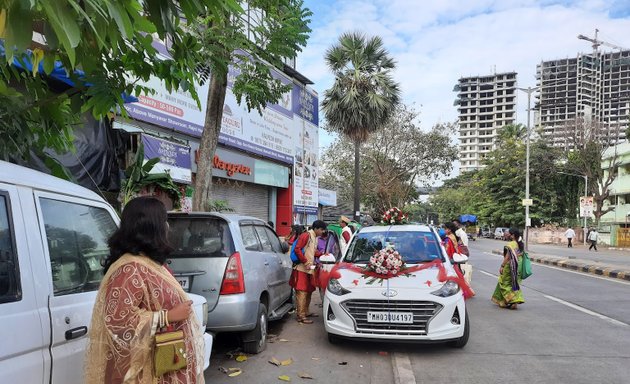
[(138, 296), (508, 292)]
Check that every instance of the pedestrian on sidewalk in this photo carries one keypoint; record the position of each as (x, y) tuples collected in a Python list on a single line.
[(137, 297), (507, 293), (302, 277), (592, 237), (570, 234)]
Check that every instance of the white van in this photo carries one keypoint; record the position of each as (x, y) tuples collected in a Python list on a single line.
[(53, 234)]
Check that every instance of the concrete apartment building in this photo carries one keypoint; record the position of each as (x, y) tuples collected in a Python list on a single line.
[(590, 91), (484, 104)]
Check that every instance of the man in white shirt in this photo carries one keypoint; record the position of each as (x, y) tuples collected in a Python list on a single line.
[(592, 237), (570, 234), (346, 234)]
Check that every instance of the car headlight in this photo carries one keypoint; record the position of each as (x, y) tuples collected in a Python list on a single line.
[(448, 289), (335, 288)]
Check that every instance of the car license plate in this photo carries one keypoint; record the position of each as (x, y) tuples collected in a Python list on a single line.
[(184, 281), (390, 317)]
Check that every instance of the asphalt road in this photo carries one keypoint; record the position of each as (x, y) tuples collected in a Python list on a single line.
[(573, 328)]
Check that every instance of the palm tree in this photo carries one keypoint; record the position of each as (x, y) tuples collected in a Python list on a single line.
[(512, 132), (364, 94)]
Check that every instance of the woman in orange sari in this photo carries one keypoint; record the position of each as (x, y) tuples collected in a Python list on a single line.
[(451, 245), (136, 294)]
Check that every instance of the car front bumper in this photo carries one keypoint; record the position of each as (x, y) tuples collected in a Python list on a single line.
[(432, 316)]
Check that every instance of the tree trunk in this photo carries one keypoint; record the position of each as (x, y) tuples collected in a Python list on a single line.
[(357, 181), (209, 139)]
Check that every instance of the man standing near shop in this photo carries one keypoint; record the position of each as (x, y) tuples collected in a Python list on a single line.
[(302, 277), (570, 234), (346, 234)]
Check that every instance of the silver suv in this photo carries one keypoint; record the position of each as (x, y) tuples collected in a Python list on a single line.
[(239, 265)]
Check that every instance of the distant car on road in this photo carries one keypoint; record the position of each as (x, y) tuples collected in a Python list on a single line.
[(500, 233)]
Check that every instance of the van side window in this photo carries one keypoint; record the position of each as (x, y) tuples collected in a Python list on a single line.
[(77, 242), (10, 288), (250, 240)]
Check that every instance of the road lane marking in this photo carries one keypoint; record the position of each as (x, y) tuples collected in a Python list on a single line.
[(403, 373), (487, 273), (605, 278), (587, 311)]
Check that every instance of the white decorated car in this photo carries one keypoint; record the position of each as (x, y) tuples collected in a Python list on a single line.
[(418, 304)]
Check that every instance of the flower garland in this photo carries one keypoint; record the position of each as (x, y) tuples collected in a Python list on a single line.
[(394, 216), (385, 264)]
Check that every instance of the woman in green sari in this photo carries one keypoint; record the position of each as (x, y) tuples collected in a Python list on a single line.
[(508, 293)]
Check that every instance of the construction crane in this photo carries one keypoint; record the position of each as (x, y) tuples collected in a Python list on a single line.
[(596, 42)]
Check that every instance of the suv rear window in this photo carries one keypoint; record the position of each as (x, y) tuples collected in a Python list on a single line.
[(414, 246), (200, 237)]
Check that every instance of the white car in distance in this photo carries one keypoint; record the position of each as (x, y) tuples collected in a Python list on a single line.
[(418, 307)]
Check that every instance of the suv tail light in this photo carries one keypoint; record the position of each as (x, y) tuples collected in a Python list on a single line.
[(233, 281)]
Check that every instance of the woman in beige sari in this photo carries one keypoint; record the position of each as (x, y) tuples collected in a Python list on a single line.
[(138, 293)]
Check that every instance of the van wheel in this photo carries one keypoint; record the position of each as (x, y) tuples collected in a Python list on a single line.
[(462, 341), (258, 335)]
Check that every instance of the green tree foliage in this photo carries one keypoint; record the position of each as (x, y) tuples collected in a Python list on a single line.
[(110, 41), (393, 162), (279, 31), (364, 94), (495, 192), (593, 156)]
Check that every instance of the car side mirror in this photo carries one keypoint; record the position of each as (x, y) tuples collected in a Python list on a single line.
[(327, 259), (284, 246), (459, 258)]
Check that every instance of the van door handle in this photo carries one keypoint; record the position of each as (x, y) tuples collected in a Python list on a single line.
[(75, 333), (266, 263)]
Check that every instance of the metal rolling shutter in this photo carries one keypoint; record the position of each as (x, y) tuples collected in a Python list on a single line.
[(244, 198)]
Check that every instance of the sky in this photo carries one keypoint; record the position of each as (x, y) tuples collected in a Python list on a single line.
[(435, 42)]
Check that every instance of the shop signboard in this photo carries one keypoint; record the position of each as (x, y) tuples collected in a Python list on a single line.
[(176, 110), (232, 165), (327, 198), (174, 158), (270, 134)]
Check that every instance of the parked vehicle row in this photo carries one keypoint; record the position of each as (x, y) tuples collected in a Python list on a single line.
[(53, 235)]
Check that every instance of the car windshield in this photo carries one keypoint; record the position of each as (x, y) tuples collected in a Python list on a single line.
[(414, 246)]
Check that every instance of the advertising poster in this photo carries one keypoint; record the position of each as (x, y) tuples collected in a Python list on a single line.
[(269, 135), (306, 166), (176, 110), (586, 206), (174, 158)]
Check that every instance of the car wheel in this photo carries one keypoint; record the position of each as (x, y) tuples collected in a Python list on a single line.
[(462, 341), (258, 335), (333, 339)]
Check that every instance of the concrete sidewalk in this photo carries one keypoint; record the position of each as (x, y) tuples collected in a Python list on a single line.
[(616, 270)]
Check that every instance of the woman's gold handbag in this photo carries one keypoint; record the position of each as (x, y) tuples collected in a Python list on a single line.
[(169, 354)]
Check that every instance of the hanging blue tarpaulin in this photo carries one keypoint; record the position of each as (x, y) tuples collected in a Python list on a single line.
[(58, 73), (468, 219)]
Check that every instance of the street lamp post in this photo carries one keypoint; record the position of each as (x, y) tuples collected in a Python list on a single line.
[(529, 91), (585, 195)]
